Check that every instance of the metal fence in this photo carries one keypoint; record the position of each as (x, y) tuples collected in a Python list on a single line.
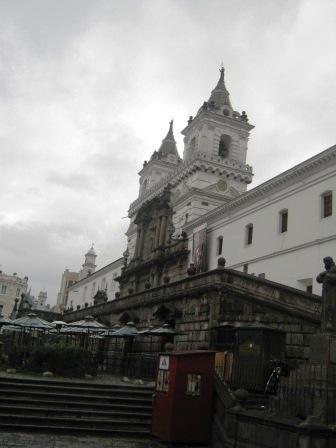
[(298, 392), (308, 390), (132, 365)]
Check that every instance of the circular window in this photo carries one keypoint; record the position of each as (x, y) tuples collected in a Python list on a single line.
[(222, 185), (226, 112)]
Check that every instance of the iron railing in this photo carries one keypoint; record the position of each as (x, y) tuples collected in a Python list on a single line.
[(308, 390), (297, 392), (132, 365)]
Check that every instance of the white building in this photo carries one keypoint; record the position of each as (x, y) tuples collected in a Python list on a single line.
[(68, 279), (213, 170), (11, 288), (41, 302), (81, 293), (281, 229)]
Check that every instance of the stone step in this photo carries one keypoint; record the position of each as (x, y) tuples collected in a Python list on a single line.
[(73, 412), (88, 388), (116, 405), (80, 422), (144, 400), (75, 407), (23, 426)]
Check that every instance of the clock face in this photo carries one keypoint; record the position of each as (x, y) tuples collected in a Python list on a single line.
[(222, 185)]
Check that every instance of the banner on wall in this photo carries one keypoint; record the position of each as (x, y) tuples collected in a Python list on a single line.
[(199, 248)]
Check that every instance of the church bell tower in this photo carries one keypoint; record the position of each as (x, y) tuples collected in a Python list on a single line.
[(219, 135)]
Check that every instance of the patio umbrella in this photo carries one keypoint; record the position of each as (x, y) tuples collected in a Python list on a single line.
[(58, 323), (89, 323), (5, 320), (109, 332), (129, 330), (31, 328), (11, 328), (166, 330), (146, 332), (32, 321), (85, 326), (73, 330)]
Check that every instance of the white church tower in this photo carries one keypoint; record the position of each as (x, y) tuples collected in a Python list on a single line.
[(215, 150), (89, 265), (213, 169), (41, 302), (163, 162)]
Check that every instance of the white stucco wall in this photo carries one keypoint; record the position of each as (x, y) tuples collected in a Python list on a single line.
[(293, 257), (104, 279)]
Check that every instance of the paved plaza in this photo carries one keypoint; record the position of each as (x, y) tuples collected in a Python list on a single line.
[(45, 440), (42, 440)]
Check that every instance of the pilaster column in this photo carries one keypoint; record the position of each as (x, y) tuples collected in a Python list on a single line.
[(163, 230), (157, 233), (141, 242), (137, 244)]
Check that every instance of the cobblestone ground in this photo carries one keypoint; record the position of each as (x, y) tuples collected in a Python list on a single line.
[(42, 440)]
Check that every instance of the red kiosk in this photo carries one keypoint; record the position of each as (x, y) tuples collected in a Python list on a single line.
[(183, 396)]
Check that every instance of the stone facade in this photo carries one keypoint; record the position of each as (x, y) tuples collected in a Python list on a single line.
[(11, 289), (68, 279), (251, 423), (157, 258), (199, 304)]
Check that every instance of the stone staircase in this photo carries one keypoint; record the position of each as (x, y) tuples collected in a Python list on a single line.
[(75, 407)]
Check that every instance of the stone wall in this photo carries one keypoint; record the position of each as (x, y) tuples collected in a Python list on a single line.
[(236, 426), (199, 303)]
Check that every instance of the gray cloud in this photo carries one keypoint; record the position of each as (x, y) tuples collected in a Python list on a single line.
[(87, 90)]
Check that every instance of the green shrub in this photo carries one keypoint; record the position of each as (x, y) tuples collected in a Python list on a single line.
[(59, 359), (3, 359), (14, 357)]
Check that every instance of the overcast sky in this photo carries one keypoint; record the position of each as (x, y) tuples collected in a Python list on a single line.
[(87, 90)]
